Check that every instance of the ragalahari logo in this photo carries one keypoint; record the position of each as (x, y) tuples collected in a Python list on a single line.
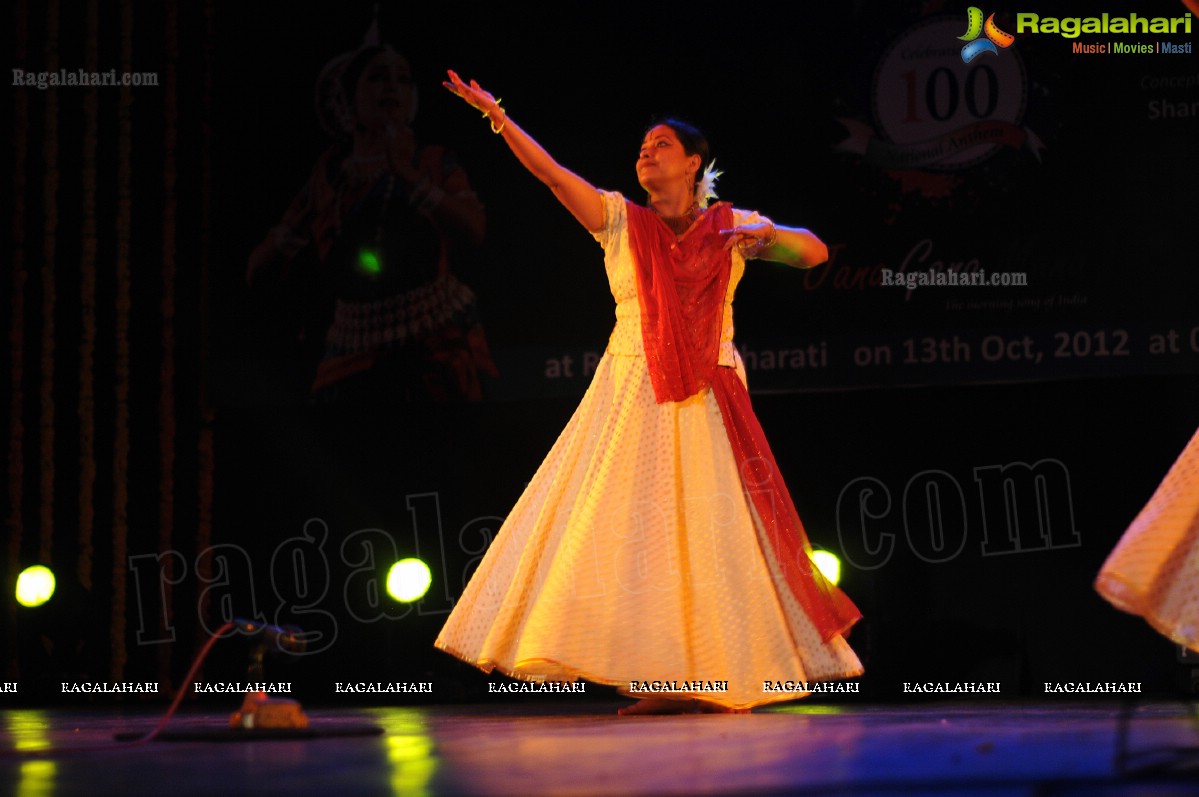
[(995, 38)]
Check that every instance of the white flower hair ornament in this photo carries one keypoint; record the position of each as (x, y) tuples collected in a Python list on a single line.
[(705, 189)]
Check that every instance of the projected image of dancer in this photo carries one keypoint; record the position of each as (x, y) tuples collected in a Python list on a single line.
[(387, 216), (656, 548)]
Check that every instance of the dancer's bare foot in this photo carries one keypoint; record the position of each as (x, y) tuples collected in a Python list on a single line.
[(708, 707), (660, 705)]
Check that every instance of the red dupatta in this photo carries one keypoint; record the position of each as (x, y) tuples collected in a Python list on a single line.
[(681, 285)]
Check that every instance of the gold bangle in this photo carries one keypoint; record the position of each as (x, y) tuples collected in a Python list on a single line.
[(774, 237), (504, 121)]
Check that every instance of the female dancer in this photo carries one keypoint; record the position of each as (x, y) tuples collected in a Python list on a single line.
[(656, 548)]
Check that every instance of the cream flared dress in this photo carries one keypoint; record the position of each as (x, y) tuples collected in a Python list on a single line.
[(1154, 569), (634, 554)]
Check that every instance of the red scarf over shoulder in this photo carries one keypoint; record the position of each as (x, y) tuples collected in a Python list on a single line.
[(681, 285)]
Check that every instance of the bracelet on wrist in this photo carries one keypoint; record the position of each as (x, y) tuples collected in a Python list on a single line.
[(771, 239), (491, 119), (752, 248)]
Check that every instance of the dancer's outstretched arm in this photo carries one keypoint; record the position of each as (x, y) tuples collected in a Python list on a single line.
[(580, 197)]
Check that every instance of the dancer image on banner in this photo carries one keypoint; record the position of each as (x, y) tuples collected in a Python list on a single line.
[(657, 544), (1153, 571), (387, 216)]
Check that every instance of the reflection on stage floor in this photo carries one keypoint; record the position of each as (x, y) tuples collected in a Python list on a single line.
[(961, 748)]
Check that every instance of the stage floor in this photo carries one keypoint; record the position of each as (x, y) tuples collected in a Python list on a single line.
[(1091, 749)]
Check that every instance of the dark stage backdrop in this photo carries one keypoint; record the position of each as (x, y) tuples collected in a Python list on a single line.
[(972, 452)]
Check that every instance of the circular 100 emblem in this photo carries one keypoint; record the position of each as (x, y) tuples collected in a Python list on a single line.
[(939, 112)]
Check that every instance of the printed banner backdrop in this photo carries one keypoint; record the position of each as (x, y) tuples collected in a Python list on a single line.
[(971, 451), (1059, 175)]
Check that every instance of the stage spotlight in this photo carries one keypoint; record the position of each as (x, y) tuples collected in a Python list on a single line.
[(408, 580), (35, 586), (828, 564)]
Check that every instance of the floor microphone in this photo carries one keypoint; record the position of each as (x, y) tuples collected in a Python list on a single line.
[(288, 638)]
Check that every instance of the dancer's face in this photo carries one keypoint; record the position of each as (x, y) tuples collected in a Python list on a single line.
[(384, 98), (662, 160)]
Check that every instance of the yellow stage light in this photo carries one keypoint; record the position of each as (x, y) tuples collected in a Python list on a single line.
[(35, 586), (829, 565), (408, 580)]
